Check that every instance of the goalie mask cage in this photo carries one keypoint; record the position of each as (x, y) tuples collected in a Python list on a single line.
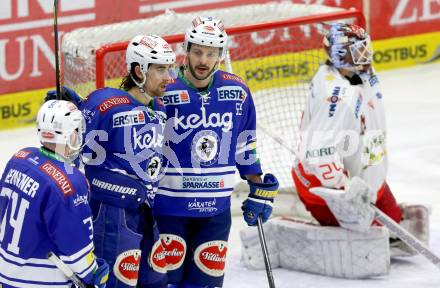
[(275, 48)]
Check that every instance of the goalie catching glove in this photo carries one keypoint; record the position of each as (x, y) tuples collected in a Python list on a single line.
[(351, 206), (260, 200)]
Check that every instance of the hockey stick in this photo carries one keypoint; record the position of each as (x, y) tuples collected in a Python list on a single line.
[(57, 49), (406, 237), (66, 270), (228, 66), (265, 253)]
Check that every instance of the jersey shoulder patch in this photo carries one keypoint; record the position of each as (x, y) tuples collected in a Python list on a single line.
[(225, 76), (106, 99), (22, 154), (59, 177)]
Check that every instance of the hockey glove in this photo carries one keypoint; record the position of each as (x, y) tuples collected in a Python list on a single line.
[(66, 94), (100, 275), (260, 200)]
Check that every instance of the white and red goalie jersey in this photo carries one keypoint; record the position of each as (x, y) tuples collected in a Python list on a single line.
[(342, 132)]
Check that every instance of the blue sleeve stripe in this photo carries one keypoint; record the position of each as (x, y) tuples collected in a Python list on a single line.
[(200, 174), (199, 193), (204, 170), (31, 274), (78, 255), (20, 261), (88, 270), (32, 284)]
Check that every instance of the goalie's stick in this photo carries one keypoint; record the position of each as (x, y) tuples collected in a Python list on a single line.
[(228, 66), (405, 236), (66, 270), (265, 253), (57, 49)]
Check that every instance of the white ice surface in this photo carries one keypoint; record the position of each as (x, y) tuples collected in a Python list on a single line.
[(412, 100)]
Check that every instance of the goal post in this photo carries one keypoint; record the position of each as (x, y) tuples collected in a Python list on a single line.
[(275, 48)]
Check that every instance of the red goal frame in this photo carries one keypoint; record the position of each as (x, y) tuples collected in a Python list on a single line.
[(121, 46)]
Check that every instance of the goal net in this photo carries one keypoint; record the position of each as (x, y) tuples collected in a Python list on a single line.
[(275, 48)]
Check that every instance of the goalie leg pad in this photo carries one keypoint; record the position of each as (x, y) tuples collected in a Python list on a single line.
[(332, 251), (251, 253)]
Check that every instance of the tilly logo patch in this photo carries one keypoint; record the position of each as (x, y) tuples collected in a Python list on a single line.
[(126, 267), (210, 257)]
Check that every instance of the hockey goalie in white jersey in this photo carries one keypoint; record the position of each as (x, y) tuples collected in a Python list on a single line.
[(340, 168)]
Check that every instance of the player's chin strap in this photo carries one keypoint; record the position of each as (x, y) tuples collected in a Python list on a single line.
[(77, 153), (140, 86)]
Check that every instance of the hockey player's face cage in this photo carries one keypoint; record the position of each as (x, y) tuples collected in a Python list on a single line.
[(361, 52)]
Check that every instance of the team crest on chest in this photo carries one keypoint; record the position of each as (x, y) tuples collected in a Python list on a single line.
[(205, 147), (154, 167)]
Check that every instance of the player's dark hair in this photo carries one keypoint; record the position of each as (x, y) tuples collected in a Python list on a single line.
[(128, 83)]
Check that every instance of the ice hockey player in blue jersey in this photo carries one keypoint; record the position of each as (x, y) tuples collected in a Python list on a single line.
[(44, 207), (192, 205), (123, 159)]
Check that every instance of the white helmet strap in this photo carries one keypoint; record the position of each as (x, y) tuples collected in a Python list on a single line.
[(141, 85)]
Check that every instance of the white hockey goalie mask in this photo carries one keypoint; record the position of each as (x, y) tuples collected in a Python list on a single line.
[(57, 120), (348, 39), (149, 49), (207, 31)]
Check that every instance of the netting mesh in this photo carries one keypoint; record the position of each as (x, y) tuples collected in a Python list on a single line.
[(276, 64)]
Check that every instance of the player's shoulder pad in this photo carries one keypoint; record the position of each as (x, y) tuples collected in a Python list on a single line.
[(229, 78), (326, 74), (158, 104), (107, 99), (24, 153), (175, 84), (67, 182)]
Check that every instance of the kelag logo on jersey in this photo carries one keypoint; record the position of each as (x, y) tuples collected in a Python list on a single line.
[(231, 93), (176, 97), (129, 118)]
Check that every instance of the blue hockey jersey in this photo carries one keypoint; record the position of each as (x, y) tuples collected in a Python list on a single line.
[(123, 135), (219, 128), (43, 207)]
